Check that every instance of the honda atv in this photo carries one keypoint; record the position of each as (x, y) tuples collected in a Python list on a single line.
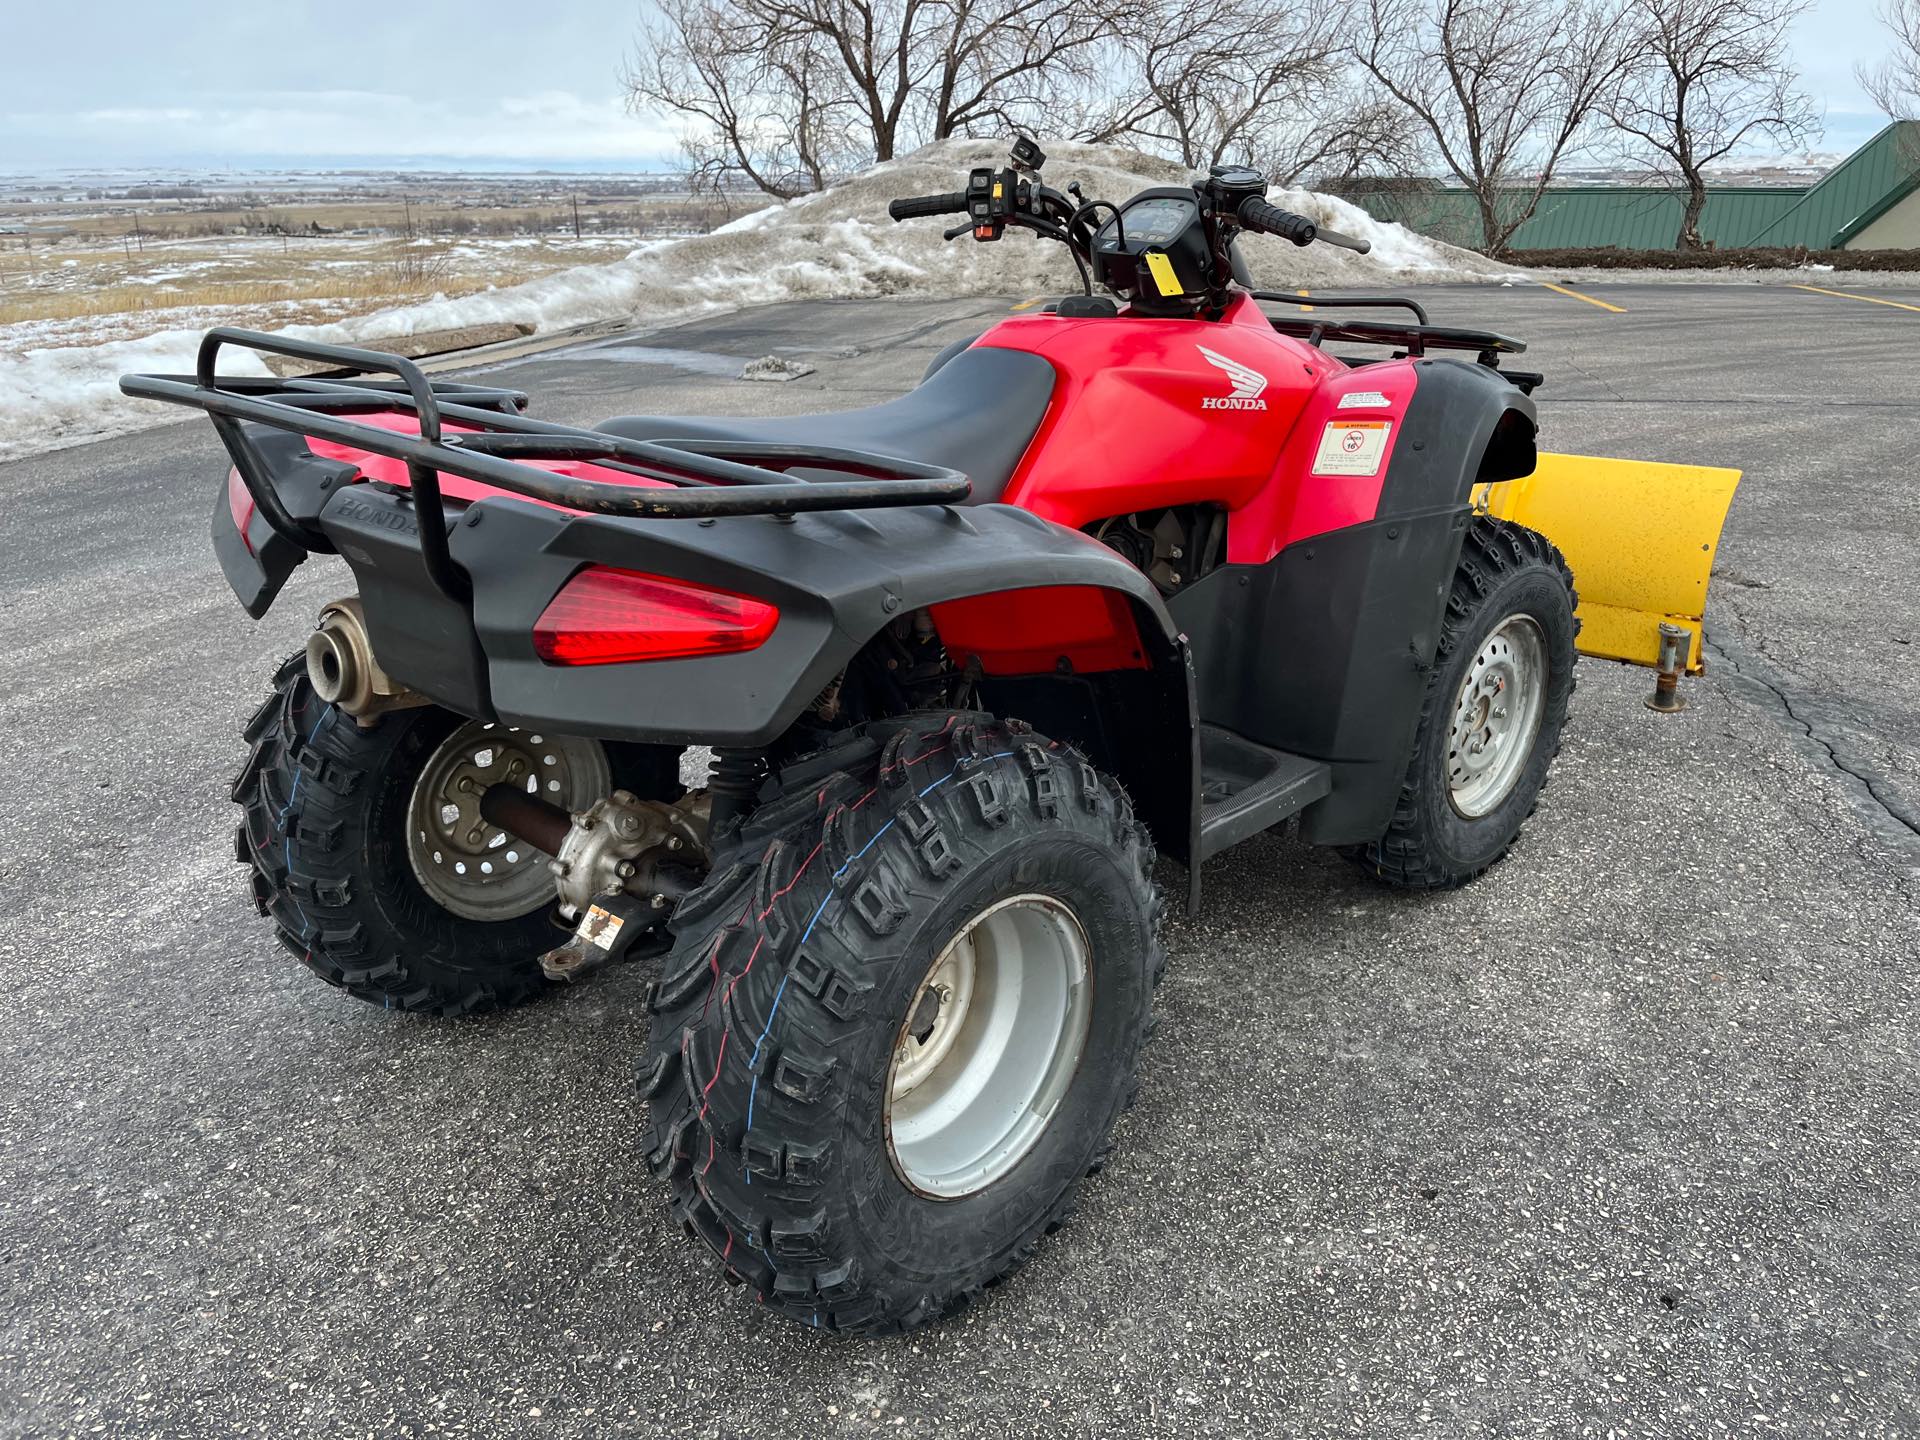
[(1149, 571)]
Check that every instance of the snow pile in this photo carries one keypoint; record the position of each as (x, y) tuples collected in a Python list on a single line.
[(838, 243)]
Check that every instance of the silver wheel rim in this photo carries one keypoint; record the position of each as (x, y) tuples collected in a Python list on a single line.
[(1496, 716), (475, 869), (989, 1046)]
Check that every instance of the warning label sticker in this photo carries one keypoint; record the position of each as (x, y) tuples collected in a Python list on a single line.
[(601, 926), (1352, 447)]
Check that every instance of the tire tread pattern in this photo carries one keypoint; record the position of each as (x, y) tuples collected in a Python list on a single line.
[(1493, 553), (306, 790), (747, 1092)]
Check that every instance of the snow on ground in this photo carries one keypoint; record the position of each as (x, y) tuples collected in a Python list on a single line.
[(838, 243)]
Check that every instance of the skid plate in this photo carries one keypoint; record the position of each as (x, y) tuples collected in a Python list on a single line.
[(1640, 537)]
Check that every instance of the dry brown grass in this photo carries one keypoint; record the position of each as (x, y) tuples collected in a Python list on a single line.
[(161, 220), (366, 291), (72, 282)]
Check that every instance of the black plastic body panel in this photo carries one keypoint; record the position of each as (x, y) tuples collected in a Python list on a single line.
[(304, 482), (1261, 788), (1464, 424), (1324, 650), (255, 579), (423, 638), (837, 577)]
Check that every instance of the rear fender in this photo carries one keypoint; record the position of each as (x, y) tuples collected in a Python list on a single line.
[(1640, 538), (1061, 631), (1021, 596)]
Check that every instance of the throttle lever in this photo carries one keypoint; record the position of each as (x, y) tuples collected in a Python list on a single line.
[(957, 231)]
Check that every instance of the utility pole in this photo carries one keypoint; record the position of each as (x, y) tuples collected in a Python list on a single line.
[(576, 214), (406, 206)]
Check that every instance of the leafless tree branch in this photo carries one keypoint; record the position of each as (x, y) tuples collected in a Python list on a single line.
[(1503, 89), (1894, 83), (1708, 77)]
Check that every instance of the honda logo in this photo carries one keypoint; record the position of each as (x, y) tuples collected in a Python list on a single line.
[(1248, 384)]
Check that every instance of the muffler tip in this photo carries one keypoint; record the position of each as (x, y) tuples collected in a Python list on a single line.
[(331, 667)]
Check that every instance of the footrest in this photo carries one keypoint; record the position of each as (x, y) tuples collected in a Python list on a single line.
[(1247, 788)]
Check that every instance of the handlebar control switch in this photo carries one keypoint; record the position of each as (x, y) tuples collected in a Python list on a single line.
[(986, 203), (1231, 184)]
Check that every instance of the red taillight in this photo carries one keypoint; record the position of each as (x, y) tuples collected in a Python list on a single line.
[(240, 506), (608, 617)]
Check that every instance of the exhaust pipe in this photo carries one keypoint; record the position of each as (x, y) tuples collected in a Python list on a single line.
[(342, 669)]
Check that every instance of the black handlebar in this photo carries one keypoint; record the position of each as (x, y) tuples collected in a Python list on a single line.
[(954, 202), (1257, 214)]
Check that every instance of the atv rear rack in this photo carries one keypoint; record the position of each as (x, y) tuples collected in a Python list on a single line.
[(708, 478)]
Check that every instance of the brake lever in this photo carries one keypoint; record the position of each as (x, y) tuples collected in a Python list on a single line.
[(957, 231)]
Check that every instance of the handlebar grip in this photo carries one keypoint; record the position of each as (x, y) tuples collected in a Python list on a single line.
[(1257, 214), (954, 202)]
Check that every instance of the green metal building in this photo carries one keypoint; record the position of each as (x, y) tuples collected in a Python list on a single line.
[(1871, 201)]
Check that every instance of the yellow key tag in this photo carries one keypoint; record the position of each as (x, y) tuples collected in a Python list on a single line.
[(1162, 270)]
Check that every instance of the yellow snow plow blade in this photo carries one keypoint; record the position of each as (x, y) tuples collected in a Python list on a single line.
[(1639, 536)]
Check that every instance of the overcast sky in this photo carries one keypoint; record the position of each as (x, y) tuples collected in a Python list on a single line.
[(115, 83)]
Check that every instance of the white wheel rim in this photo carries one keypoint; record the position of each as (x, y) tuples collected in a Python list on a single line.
[(1496, 716), (989, 1046), (469, 866)]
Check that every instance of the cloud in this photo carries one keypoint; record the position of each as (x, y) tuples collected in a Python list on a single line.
[(549, 124)]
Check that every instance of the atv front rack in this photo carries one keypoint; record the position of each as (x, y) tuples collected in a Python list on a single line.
[(1415, 339), (705, 479)]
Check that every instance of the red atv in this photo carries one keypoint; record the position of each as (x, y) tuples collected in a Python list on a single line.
[(1115, 576)]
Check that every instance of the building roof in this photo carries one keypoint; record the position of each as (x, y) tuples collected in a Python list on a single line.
[(1822, 216)]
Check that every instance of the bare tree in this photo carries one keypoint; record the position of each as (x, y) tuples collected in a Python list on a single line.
[(1708, 76), (999, 63), (1255, 82), (1894, 83), (759, 101), (1504, 89), (783, 92)]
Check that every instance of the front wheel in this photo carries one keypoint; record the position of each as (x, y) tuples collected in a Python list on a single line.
[(1495, 705), (893, 1035)]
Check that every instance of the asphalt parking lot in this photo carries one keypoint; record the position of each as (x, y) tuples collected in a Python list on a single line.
[(1620, 1140)]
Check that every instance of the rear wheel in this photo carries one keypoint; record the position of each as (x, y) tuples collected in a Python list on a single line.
[(897, 1027), (1495, 705), (368, 851)]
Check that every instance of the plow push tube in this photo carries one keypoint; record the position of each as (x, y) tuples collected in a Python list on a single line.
[(703, 480)]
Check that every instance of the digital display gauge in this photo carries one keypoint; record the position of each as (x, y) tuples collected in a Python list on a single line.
[(1154, 221)]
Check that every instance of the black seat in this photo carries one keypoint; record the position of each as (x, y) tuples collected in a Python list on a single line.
[(975, 414)]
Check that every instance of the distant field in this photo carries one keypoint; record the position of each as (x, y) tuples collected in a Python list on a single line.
[(78, 293), (80, 271)]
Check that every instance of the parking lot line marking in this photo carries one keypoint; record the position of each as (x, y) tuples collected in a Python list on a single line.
[(1575, 294), (1868, 299)]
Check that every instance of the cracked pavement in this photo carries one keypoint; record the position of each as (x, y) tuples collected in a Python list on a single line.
[(1619, 1140)]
